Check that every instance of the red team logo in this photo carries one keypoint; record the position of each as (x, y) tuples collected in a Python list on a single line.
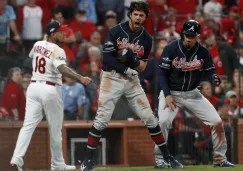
[(136, 48), (188, 66)]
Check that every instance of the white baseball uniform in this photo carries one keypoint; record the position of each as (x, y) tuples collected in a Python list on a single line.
[(44, 96)]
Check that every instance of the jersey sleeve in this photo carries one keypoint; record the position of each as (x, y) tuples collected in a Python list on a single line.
[(165, 62), (208, 62), (109, 53), (110, 44), (59, 58)]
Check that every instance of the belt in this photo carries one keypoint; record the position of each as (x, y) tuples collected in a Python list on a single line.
[(190, 89), (107, 69), (47, 82)]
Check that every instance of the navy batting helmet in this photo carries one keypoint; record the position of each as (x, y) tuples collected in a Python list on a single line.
[(191, 27)]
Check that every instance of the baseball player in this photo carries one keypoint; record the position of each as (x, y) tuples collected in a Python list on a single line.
[(125, 53), (45, 94), (183, 63)]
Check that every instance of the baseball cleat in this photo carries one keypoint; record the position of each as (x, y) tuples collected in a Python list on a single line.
[(161, 164), (175, 164), (66, 167), (69, 167), (15, 167), (224, 164), (87, 165)]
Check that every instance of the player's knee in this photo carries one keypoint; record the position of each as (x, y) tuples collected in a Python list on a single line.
[(101, 120), (150, 122), (100, 125), (149, 119)]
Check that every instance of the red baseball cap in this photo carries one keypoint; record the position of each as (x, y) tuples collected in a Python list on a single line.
[(234, 8)]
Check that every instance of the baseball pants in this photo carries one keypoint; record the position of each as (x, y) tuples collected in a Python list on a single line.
[(114, 86), (195, 103), (48, 99)]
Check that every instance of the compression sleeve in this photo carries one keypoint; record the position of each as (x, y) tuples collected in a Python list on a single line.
[(163, 80)]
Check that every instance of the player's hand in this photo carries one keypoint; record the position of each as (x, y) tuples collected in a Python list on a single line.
[(127, 57), (170, 103), (85, 80)]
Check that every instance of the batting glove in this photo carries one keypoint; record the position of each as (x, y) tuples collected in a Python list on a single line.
[(127, 57)]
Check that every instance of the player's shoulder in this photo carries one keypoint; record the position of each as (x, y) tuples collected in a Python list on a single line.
[(172, 45), (146, 34), (56, 48), (203, 48), (116, 29), (39, 42)]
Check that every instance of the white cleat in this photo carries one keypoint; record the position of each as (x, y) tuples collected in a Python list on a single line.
[(15, 167), (66, 167), (69, 167)]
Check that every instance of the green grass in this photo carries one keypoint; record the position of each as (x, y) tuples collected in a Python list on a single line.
[(186, 168)]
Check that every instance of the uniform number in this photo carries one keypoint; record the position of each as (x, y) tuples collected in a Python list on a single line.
[(40, 65)]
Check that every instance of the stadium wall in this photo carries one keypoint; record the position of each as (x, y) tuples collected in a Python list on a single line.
[(130, 143)]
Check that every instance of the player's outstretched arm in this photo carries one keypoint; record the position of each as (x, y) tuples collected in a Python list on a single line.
[(67, 71)]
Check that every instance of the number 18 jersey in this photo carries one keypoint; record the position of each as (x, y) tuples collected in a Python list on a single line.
[(46, 58)]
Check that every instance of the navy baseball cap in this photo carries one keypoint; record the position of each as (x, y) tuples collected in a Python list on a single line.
[(54, 26)]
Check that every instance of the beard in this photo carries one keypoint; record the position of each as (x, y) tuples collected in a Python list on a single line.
[(137, 23)]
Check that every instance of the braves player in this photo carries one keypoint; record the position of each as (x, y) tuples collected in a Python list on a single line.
[(125, 53), (183, 63), (44, 94)]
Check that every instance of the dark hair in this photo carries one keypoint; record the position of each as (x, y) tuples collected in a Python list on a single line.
[(57, 10), (138, 6)]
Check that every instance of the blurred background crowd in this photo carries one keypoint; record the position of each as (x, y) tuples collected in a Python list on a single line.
[(22, 23)]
